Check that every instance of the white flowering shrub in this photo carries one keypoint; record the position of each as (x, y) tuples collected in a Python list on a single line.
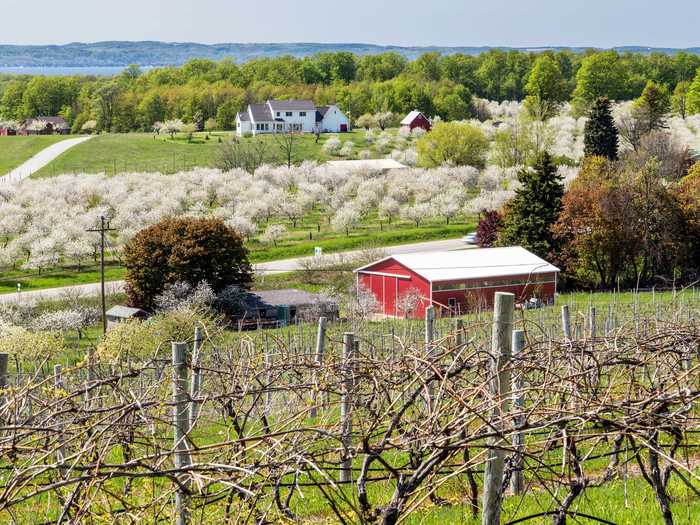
[(332, 146)]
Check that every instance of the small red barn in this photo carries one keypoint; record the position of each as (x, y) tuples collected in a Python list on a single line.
[(456, 282), (415, 119)]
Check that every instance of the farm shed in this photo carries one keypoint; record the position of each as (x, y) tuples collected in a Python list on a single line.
[(415, 119), (44, 126), (456, 281), (286, 306), (119, 314)]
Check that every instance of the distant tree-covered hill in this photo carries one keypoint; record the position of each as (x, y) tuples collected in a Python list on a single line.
[(166, 53)]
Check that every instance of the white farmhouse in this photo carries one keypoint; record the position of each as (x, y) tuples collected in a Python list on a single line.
[(279, 116)]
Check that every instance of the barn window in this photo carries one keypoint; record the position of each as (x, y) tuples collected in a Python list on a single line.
[(452, 303)]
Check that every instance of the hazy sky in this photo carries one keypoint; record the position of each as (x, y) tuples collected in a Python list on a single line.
[(603, 23)]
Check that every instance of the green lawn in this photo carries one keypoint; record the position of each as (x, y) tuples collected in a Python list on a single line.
[(144, 152), (135, 152), (15, 150)]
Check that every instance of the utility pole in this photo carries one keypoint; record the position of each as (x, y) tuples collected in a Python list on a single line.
[(104, 227)]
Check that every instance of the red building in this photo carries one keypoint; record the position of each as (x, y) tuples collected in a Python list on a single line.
[(457, 281), (416, 119)]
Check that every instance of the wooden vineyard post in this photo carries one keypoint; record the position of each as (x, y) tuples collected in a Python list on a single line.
[(501, 341), (320, 348), (4, 359), (61, 452), (196, 381), (429, 337), (346, 406), (459, 328), (180, 425), (517, 480), (592, 327), (566, 322)]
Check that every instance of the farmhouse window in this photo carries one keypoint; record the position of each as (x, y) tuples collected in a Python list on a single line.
[(302, 113), (288, 113)]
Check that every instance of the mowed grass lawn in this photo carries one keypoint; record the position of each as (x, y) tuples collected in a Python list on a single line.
[(145, 152), (16, 150)]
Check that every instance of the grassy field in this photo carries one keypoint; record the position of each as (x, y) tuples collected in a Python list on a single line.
[(145, 152), (16, 150)]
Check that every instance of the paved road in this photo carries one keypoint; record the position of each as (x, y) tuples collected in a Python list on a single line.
[(267, 268), (41, 159)]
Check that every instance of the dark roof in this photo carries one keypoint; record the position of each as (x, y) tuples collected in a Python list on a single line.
[(244, 116), (261, 112), (321, 112), (56, 122), (290, 297), (289, 105)]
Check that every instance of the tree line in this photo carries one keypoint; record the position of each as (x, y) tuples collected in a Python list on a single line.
[(438, 85), (631, 217)]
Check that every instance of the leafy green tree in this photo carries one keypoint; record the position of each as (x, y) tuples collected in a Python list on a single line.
[(105, 103), (11, 104), (453, 143), (546, 88), (652, 108), (530, 215), (492, 75), (381, 67), (427, 66), (600, 134), (679, 100), (226, 115), (151, 109), (461, 69), (693, 99), (185, 250), (453, 103), (600, 75)]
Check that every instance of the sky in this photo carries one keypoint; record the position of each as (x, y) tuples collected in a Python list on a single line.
[(519, 23)]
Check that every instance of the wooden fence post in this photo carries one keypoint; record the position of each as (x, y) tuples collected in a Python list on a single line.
[(592, 315), (196, 381), (180, 425), (320, 348), (346, 406), (501, 341), (566, 322), (517, 480), (4, 359)]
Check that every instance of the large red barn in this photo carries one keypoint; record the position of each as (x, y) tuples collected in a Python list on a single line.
[(456, 281)]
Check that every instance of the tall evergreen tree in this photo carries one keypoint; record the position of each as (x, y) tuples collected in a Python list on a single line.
[(600, 134), (535, 208)]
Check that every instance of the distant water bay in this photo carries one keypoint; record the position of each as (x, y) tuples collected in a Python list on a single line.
[(100, 71)]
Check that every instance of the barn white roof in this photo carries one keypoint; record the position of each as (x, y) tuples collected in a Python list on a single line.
[(368, 165), (413, 115), (471, 263)]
